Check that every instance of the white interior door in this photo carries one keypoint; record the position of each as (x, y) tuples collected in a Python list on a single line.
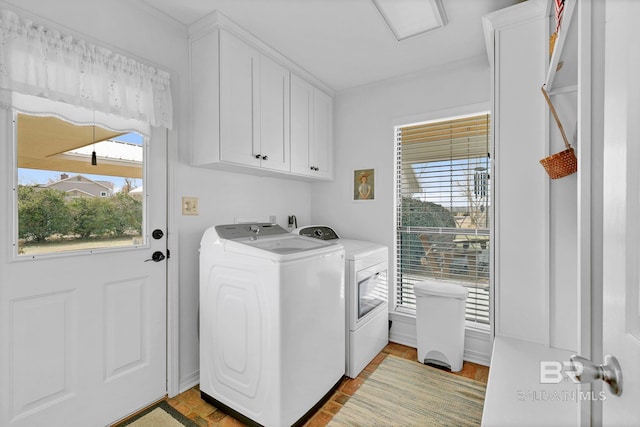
[(621, 270), (83, 334)]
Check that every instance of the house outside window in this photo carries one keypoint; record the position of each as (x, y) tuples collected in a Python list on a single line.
[(443, 196)]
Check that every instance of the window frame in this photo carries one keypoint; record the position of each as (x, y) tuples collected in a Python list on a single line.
[(14, 250), (432, 117)]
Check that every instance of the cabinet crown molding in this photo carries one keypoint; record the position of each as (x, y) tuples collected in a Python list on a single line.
[(509, 16), (217, 20)]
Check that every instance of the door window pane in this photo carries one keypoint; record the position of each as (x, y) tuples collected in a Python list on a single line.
[(79, 188)]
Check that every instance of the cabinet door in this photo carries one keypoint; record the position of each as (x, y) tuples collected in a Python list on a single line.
[(205, 95), (322, 141), (239, 79), (274, 115), (301, 125)]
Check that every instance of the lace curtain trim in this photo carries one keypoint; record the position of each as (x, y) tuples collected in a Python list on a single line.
[(41, 62)]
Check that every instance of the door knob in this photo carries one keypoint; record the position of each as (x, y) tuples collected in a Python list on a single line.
[(156, 257), (585, 371)]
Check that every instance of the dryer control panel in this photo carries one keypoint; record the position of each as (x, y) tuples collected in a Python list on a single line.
[(321, 232)]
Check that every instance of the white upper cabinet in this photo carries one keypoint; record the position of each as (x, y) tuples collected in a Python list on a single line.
[(239, 102), (274, 115), (301, 125), (254, 107), (311, 130), (249, 112), (322, 146)]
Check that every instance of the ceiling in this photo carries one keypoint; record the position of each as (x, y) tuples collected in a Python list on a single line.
[(346, 43)]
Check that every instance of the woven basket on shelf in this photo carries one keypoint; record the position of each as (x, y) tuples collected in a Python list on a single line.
[(565, 162)]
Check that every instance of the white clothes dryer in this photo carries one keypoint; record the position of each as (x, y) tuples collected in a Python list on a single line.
[(367, 317), (272, 313)]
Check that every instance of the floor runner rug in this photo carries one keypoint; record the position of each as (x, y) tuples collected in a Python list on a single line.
[(159, 415), (403, 393)]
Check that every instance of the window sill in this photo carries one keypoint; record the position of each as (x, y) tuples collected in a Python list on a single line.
[(406, 317)]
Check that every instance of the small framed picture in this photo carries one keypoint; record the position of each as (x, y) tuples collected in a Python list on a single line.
[(364, 184)]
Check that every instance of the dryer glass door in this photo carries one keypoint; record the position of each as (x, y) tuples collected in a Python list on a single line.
[(372, 289)]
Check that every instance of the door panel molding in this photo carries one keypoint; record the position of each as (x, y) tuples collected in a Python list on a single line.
[(44, 351), (126, 326)]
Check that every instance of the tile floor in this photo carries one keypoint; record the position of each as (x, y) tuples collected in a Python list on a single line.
[(203, 414)]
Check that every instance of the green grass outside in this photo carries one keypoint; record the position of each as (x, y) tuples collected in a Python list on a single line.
[(56, 246)]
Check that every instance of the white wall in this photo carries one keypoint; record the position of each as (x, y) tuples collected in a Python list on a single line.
[(364, 122), (521, 184), (141, 32), (223, 196)]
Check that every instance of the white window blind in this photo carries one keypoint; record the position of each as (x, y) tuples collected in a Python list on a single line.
[(443, 195)]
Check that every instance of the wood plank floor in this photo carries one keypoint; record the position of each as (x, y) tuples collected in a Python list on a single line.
[(202, 413)]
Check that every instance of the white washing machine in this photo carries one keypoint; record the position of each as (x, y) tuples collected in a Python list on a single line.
[(272, 313), (367, 317)]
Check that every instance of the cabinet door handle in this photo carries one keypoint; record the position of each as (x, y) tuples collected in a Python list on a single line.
[(258, 156), (265, 157)]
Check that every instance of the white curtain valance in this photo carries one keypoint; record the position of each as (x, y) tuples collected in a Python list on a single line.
[(43, 107), (41, 62)]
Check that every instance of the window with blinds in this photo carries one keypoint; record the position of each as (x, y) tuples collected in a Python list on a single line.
[(443, 196)]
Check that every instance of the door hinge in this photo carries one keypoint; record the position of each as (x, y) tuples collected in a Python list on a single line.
[(168, 254)]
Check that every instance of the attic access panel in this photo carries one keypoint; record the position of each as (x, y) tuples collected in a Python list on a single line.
[(409, 18)]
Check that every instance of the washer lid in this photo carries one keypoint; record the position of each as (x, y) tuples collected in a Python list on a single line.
[(240, 231), (285, 245), (269, 242)]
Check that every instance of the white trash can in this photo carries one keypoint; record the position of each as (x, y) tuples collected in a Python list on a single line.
[(440, 313)]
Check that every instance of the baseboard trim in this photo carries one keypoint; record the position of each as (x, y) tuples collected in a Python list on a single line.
[(189, 381)]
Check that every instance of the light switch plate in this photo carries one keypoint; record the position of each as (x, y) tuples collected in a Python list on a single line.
[(189, 206)]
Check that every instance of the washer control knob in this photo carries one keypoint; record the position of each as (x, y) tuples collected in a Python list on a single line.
[(318, 233)]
